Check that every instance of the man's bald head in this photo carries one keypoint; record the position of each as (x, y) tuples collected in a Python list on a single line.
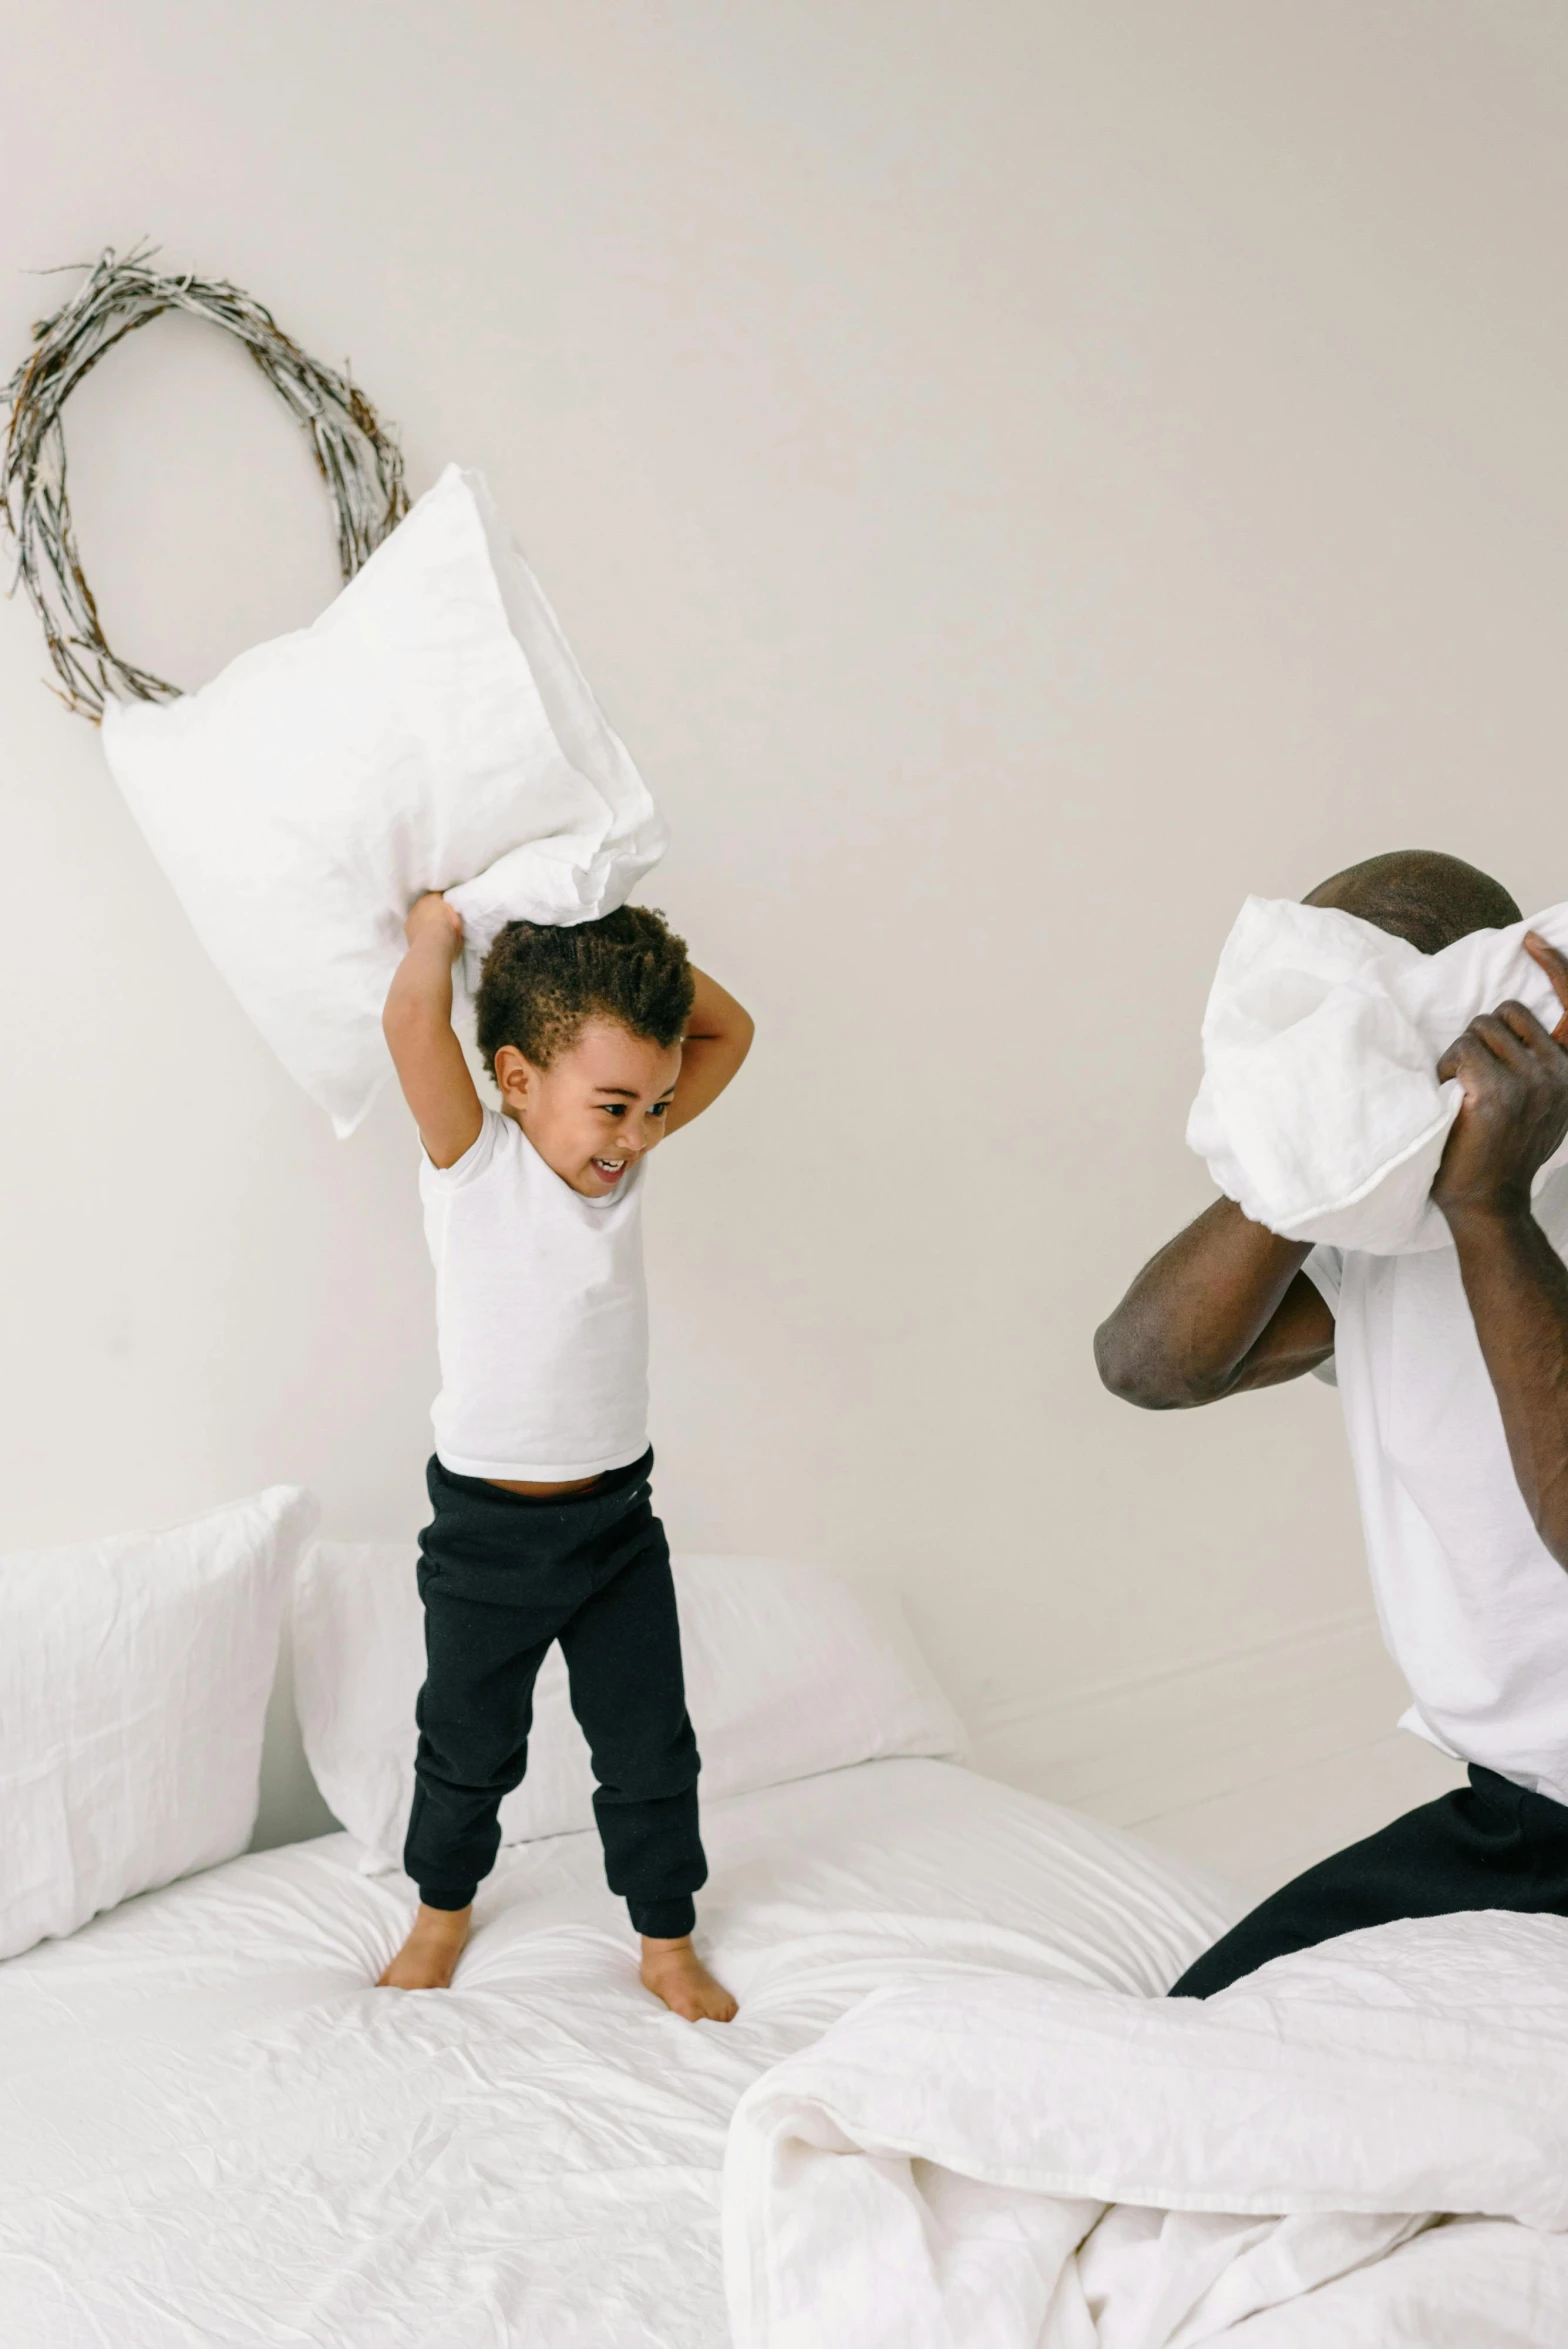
[(1420, 895)]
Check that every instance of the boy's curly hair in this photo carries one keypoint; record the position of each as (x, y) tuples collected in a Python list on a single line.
[(541, 983)]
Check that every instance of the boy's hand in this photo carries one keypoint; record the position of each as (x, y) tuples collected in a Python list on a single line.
[(431, 913)]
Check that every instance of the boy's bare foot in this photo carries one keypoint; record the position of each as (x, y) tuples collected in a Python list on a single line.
[(673, 1971), (427, 1957)]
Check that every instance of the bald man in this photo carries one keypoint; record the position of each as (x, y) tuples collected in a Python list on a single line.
[(1452, 1367)]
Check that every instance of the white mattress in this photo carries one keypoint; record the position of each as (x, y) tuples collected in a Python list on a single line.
[(213, 2130)]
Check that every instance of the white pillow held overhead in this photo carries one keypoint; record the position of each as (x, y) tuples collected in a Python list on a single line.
[(430, 731), (1320, 1112), (134, 1677), (790, 1671)]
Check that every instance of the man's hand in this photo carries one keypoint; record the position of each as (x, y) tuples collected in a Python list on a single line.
[(1514, 1114), (1515, 1108)]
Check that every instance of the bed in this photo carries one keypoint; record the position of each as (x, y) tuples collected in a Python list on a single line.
[(213, 2130), (954, 2111)]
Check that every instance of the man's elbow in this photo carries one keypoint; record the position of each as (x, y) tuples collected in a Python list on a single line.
[(1133, 1371)]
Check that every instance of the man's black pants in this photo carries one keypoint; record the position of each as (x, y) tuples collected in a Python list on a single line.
[(502, 1575), (1488, 1845)]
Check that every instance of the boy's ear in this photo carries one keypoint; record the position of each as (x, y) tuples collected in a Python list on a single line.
[(512, 1074)]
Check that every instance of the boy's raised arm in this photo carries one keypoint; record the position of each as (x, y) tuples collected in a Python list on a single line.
[(417, 1023), (718, 1038)]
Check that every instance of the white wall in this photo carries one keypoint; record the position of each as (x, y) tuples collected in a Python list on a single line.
[(1020, 476)]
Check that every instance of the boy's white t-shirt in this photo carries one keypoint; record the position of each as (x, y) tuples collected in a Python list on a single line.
[(1474, 1607), (541, 1314)]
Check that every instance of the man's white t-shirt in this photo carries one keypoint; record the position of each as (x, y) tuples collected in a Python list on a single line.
[(541, 1314), (1474, 1607)]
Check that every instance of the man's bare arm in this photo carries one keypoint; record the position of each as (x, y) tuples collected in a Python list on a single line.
[(417, 1024), (718, 1038), (1223, 1308), (1514, 1115)]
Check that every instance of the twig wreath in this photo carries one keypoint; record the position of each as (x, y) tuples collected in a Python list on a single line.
[(357, 455)]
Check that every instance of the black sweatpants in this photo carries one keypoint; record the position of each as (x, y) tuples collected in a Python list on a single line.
[(1488, 1845), (502, 1575)]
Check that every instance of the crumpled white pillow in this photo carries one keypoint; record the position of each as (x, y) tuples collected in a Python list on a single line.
[(1320, 1112), (134, 1678), (790, 1670), (430, 731)]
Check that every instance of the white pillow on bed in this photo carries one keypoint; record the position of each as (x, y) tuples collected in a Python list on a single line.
[(790, 1671), (134, 1677)]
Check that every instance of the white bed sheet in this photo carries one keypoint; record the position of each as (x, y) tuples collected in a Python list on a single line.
[(213, 2130)]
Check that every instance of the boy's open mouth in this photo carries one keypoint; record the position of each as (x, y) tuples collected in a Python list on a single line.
[(610, 1168)]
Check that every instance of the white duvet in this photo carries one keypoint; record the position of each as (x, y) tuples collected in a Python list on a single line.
[(1013, 2162), (215, 2134)]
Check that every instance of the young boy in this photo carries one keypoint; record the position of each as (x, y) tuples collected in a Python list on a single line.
[(601, 1039)]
